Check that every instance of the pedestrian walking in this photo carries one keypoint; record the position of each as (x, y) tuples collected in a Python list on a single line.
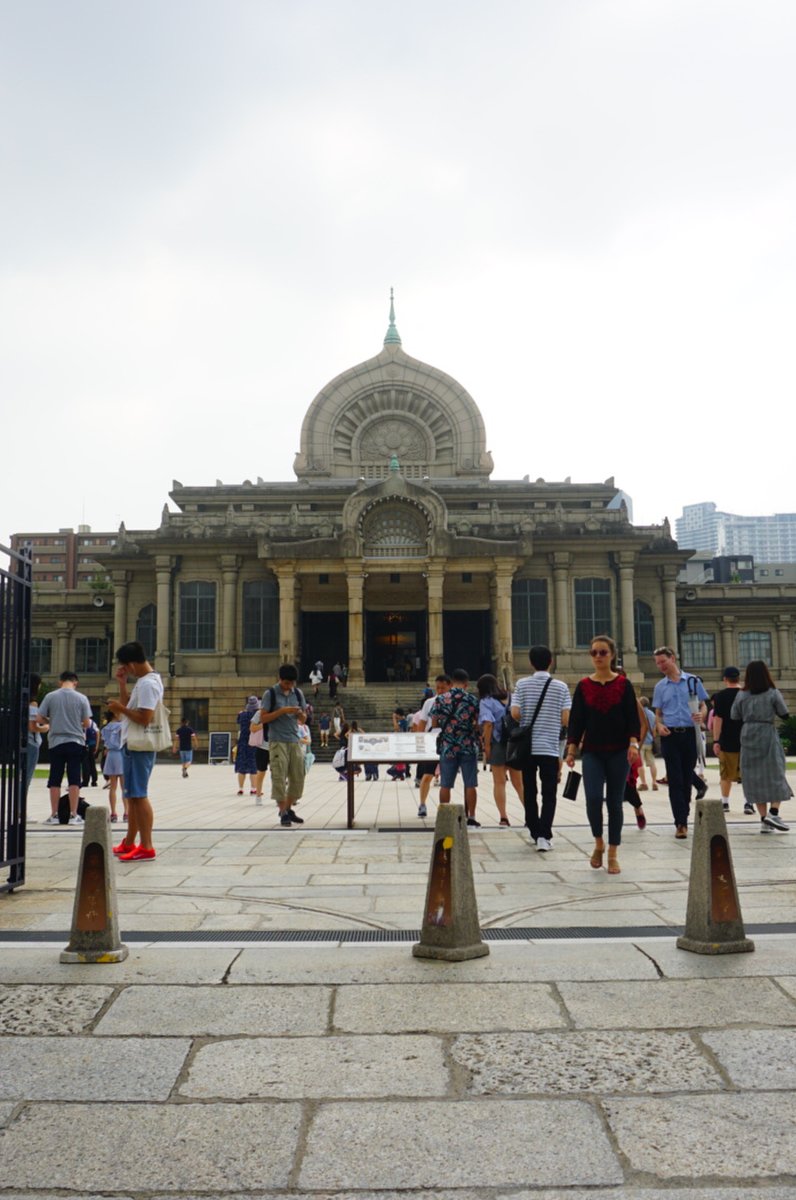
[(455, 714), (185, 742), (604, 722), (280, 707), (113, 767), (680, 709), (727, 737), (544, 701), (36, 727), (494, 702), (763, 778)]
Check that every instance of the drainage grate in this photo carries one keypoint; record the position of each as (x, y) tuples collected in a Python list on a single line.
[(205, 936)]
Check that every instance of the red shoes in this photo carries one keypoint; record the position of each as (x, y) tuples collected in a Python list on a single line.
[(137, 854), (124, 847)]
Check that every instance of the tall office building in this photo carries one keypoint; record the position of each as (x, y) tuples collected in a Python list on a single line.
[(768, 539)]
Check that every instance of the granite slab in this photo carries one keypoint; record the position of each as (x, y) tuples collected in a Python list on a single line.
[(49, 1010), (83, 1068), (679, 1003), (201, 1011), (452, 1007)]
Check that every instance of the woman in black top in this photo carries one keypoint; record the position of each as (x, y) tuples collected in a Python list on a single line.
[(604, 722)]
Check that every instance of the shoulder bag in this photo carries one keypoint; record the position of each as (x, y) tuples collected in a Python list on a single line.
[(154, 736), (518, 745)]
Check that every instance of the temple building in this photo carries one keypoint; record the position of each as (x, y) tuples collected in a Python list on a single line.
[(395, 552)]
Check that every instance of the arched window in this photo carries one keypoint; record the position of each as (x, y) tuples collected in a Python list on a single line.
[(146, 629), (261, 614), (395, 531), (592, 609), (198, 616), (643, 627), (753, 645)]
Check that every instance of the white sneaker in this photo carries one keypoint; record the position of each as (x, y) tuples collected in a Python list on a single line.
[(774, 821), (258, 800), (75, 820), (51, 820), (543, 844)]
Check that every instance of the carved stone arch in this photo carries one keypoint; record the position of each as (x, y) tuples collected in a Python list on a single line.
[(394, 527)]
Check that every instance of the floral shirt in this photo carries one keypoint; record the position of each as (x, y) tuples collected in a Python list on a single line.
[(457, 716)]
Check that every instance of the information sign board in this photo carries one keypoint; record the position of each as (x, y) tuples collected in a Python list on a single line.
[(220, 747), (393, 747)]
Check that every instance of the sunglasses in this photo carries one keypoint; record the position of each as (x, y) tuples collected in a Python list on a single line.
[(599, 653)]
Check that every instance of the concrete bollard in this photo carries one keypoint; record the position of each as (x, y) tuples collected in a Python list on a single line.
[(713, 923), (95, 919), (450, 921)]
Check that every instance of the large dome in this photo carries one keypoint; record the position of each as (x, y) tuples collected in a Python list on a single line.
[(393, 405)]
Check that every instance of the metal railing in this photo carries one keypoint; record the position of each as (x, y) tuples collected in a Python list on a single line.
[(15, 605)]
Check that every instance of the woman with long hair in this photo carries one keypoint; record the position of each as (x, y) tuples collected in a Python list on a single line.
[(492, 709), (604, 722), (763, 777)]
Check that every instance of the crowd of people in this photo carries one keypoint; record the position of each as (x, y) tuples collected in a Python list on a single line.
[(602, 726)]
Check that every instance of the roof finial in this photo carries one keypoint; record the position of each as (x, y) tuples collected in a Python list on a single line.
[(392, 336), (394, 464)]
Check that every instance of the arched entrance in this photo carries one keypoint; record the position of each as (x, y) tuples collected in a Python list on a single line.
[(395, 645)]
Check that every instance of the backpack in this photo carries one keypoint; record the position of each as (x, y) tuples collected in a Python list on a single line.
[(63, 809)]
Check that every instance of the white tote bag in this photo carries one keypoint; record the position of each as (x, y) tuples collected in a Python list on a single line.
[(154, 736)]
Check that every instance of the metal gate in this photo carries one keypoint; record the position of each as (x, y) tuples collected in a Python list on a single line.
[(15, 600)]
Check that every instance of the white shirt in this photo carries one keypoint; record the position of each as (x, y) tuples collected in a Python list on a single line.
[(147, 693)]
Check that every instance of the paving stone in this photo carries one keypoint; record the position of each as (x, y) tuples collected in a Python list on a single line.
[(725, 1137), (158, 963), (156, 1147), (772, 956), (677, 1003), (29, 1009), (83, 1068), (474, 1143), (756, 1058), (506, 963), (219, 1011), (593, 1062), (401, 1008), (5, 1112), (788, 985), (334, 1067), (629, 1192)]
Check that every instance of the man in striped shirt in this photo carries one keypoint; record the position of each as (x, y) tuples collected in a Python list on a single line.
[(554, 713)]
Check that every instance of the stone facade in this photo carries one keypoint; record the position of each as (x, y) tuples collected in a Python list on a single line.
[(395, 552)]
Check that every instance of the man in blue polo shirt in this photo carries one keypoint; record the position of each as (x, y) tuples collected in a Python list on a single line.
[(680, 710)]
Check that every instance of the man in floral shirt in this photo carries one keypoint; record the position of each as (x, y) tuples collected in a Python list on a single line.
[(455, 714)]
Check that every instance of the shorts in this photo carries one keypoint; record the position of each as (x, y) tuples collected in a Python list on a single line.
[(426, 768), (497, 754), (287, 771), (186, 756), (261, 756), (68, 755), (730, 766), (449, 769), (138, 766), (648, 755)]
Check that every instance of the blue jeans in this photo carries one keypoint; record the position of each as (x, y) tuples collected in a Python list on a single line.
[(605, 771), (450, 766)]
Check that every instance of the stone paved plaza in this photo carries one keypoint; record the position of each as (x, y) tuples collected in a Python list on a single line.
[(560, 1066)]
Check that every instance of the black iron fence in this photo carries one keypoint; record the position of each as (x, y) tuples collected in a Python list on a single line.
[(15, 601)]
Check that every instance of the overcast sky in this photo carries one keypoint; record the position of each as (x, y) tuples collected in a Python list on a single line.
[(586, 209)]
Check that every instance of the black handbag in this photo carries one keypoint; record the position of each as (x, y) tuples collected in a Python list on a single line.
[(519, 741)]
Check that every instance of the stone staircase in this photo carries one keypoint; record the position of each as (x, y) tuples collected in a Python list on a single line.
[(371, 705)]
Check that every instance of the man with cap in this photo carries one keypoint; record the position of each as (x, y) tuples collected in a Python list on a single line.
[(727, 737)]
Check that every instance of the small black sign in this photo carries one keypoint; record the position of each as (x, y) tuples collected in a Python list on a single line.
[(220, 747)]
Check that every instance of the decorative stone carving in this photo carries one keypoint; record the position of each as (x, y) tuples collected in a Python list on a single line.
[(385, 438)]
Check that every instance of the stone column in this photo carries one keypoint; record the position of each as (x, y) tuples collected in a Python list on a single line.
[(504, 649), (784, 638), (435, 585), (561, 561), (669, 588), (727, 630), (230, 565), (121, 585), (163, 566), (286, 576), (355, 580), (626, 562), (63, 647)]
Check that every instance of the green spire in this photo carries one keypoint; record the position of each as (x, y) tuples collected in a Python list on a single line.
[(394, 464), (392, 337)]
